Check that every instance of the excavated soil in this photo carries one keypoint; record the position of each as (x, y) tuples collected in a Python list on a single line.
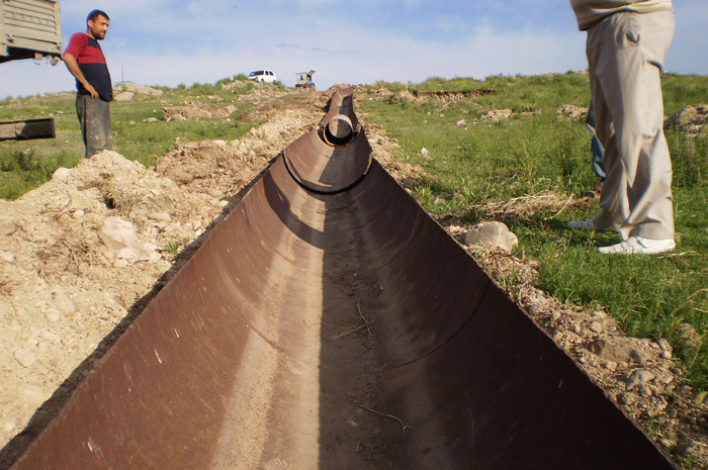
[(87, 250)]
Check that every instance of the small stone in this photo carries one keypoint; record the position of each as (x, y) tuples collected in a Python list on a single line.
[(124, 96), (535, 309), (638, 378), (32, 395), (626, 398), (53, 315), (638, 356), (62, 302), (491, 235), (61, 174), (666, 350), (49, 336), (595, 327), (117, 233), (555, 315), (7, 256), (24, 357), (409, 183), (160, 217), (667, 443)]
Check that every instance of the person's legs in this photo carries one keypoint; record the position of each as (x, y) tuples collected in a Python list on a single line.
[(98, 126), (596, 148), (650, 199), (81, 115), (623, 53), (95, 119)]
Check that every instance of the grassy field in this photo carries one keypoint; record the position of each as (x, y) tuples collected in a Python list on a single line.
[(535, 152), (531, 153), (26, 165)]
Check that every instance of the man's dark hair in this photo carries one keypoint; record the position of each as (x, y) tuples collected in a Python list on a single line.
[(96, 13)]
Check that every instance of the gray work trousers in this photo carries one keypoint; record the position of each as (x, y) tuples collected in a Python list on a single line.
[(625, 55), (95, 119)]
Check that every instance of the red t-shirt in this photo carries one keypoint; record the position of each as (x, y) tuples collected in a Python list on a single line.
[(92, 63)]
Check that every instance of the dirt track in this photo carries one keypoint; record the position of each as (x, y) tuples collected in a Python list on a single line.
[(78, 254)]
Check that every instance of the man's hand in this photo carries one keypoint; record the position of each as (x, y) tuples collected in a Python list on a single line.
[(92, 91), (73, 65)]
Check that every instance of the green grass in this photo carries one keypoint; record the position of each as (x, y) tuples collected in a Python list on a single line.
[(480, 162)]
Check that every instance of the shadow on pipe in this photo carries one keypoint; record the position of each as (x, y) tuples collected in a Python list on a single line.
[(328, 322)]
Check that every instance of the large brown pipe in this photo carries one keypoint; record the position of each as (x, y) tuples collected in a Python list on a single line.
[(343, 330)]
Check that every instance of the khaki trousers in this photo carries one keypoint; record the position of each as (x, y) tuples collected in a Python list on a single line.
[(625, 54)]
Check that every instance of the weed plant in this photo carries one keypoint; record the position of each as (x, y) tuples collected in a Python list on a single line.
[(472, 162)]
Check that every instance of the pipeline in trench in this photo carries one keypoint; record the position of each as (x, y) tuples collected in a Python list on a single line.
[(329, 323)]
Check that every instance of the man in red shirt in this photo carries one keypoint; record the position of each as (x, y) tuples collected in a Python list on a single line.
[(86, 62)]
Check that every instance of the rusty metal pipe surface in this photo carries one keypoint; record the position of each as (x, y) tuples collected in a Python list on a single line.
[(336, 331)]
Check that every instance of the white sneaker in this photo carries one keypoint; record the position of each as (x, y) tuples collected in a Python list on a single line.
[(639, 245), (582, 224)]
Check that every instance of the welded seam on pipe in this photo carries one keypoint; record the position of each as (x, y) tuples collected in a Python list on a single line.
[(299, 179), (449, 338)]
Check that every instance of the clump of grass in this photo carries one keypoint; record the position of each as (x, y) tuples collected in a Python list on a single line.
[(23, 170)]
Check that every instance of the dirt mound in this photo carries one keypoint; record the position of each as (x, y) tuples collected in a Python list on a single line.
[(197, 110), (496, 115), (451, 98), (65, 286), (139, 89), (570, 111), (692, 118)]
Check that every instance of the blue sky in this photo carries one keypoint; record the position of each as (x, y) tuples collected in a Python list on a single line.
[(169, 42)]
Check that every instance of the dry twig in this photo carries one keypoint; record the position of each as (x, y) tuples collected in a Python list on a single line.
[(404, 426)]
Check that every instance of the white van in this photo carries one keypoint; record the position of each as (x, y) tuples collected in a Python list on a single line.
[(262, 76)]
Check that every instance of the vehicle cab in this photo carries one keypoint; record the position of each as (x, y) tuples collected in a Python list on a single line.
[(266, 76)]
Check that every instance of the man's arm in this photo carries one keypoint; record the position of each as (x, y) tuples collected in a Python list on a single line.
[(73, 65)]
